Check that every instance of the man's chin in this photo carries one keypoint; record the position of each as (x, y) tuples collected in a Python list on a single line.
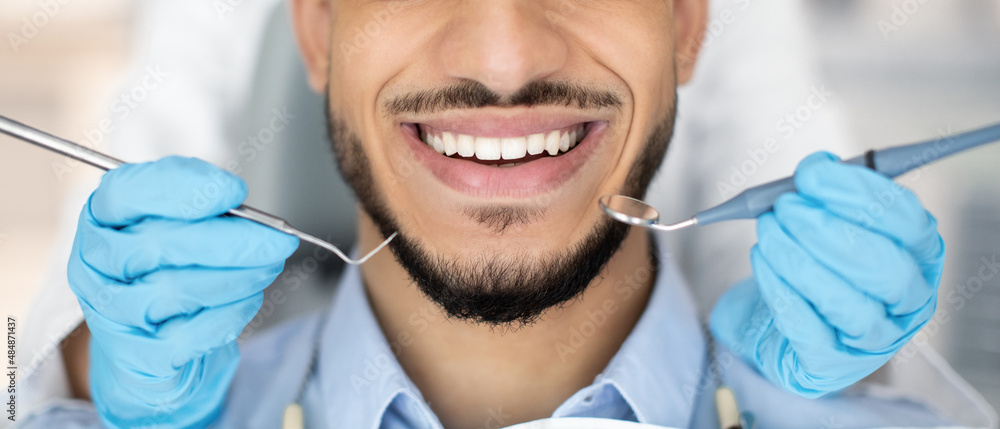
[(503, 288)]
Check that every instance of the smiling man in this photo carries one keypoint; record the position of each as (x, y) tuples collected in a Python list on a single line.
[(483, 133)]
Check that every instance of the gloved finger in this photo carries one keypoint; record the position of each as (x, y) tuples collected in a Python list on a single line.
[(793, 315), (860, 321), (128, 253), (215, 288), (173, 187), (742, 321), (189, 332), (161, 295), (870, 199), (202, 380), (740, 318), (177, 341), (815, 349), (871, 262), (732, 318)]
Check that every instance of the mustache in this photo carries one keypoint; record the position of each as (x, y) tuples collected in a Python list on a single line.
[(470, 94)]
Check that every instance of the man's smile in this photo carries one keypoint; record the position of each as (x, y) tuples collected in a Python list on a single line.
[(487, 155), (503, 151)]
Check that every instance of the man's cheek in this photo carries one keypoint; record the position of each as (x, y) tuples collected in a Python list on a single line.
[(403, 169)]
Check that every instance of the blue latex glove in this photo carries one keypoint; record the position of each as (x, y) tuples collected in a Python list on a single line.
[(166, 286), (845, 273)]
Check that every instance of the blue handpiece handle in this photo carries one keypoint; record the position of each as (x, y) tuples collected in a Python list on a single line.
[(891, 162)]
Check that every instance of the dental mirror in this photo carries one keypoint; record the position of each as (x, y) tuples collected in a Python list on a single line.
[(634, 212)]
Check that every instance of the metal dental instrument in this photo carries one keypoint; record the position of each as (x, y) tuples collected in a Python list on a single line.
[(48, 141), (755, 201)]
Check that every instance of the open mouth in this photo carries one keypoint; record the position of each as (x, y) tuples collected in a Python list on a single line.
[(510, 151), (514, 156)]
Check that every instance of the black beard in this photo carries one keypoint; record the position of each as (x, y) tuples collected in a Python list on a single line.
[(495, 289)]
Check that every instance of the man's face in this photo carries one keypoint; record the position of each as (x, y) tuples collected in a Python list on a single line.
[(485, 131)]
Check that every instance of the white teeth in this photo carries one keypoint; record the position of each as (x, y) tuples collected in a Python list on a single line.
[(536, 144), (552, 143), (507, 148), (450, 143), (487, 148), (513, 147), (438, 144), (466, 145)]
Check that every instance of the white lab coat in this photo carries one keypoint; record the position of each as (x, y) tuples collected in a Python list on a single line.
[(756, 68)]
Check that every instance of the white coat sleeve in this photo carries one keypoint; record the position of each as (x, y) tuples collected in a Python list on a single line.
[(192, 63)]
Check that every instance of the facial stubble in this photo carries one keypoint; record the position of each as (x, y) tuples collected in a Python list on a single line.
[(507, 290)]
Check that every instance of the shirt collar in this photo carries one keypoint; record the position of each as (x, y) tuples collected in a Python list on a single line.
[(659, 367), (656, 372), (359, 375)]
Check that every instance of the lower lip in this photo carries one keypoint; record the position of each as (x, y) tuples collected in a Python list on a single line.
[(526, 180)]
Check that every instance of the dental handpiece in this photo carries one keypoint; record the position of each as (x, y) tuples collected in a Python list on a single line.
[(753, 202), (892, 162), (104, 162)]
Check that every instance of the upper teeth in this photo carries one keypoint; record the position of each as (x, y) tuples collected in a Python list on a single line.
[(494, 148)]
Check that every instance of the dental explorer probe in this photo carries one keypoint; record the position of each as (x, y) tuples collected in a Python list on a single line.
[(753, 202), (86, 155)]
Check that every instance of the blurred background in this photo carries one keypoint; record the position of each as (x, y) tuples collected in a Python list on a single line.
[(58, 80), (933, 71), (903, 71)]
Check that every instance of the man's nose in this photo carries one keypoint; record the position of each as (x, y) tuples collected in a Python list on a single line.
[(503, 44)]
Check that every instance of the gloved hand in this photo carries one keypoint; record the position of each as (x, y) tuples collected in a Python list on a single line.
[(166, 286), (845, 273)]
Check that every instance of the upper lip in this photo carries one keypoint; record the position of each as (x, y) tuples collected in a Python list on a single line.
[(502, 122)]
